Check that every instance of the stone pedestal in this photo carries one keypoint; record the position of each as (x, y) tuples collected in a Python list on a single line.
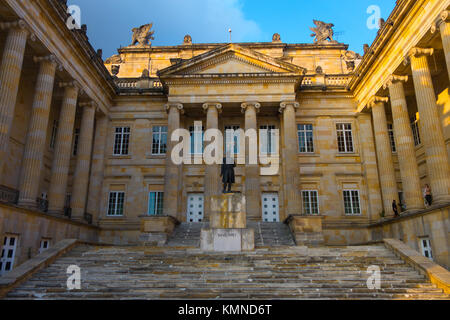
[(155, 230), (307, 230), (228, 230)]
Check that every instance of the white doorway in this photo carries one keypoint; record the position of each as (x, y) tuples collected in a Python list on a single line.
[(195, 207), (270, 207), (8, 253)]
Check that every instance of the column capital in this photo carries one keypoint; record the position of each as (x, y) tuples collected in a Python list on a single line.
[(377, 99), (393, 79), (88, 104), (208, 105), (20, 24), (74, 84), (443, 18), (285, 104), (178, 106), (49, 58), (253, 104), (417, 52)]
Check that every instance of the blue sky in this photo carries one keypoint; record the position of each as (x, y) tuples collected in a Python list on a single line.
[(110, 21)]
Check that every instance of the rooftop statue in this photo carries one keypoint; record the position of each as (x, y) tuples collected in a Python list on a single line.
[(143, 35), (323, 32)]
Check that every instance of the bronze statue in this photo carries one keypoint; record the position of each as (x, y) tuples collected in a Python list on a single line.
[(227, 173), (143, 35)]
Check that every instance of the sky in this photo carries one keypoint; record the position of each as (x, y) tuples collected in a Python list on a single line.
[(110, 22)]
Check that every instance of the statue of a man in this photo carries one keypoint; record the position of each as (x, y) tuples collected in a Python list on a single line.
[(227, 173)]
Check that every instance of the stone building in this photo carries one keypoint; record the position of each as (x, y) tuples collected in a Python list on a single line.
[(85, 143)]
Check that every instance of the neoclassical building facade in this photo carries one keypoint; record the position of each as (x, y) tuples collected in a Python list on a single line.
[(85, 143)]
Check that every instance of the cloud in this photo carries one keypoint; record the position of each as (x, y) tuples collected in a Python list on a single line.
[(110, 21)]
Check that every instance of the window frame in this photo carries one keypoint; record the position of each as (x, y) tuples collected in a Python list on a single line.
[(310, 197), (352, 202), (236, 139), (76, 140), (159, 134), (345, 137), (270, 148), (158, 200), (115, 205), (426, 249), (194, 143), (5, 259), (414, 124), (123, 142), (392, 137), (54, 133), (305, 131)]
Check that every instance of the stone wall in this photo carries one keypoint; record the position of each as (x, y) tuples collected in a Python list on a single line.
[(32, 226)]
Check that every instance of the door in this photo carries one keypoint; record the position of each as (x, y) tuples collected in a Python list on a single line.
[(195, 207), (270, 207), (8, 253)]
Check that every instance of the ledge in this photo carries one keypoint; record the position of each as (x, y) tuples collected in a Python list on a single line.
[(435, 273), (29, 267)]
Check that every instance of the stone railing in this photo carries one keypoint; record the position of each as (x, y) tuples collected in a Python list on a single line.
[(138, 83), (8, 195), (322, 80)]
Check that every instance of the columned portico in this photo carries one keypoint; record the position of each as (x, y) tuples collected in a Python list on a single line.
[(384, 154), (172, 173), (10, 71), (252, 170), (37, 132), (409, 169), (63, 147), (212, 176), (81, 175), (290, 159), (433, 138)]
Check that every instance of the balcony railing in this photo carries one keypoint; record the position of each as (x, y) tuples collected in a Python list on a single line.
[(9, 195), (322, 80), (138, 83)]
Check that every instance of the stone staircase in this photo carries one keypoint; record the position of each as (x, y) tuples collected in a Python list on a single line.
[(267, 234), (186, 235), (271, 234), (266, 273)]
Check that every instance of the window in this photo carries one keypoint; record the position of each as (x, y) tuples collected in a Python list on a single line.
[(310, 202), (76, 137), (8, 253), (45, 244), (351, 202), (54, 132), (232, 136), (196, 137), (425, 245), (155, 203), (391, 137), (115, 203), (305, 138), (121, 141), (267, 136), (159, 144), (344, 136), (415, 130)]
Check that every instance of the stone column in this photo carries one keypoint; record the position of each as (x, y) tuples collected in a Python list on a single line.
[(171, 177), (433, 137), (251, 179), (292, 174), (443, 24), (63, 148), (37, 132), (10, 71), (212, 175), (97, 168), (384, 154), (81, 174), (405, 144)]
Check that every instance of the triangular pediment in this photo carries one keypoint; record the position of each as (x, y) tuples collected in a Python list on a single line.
[(231, 59)]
